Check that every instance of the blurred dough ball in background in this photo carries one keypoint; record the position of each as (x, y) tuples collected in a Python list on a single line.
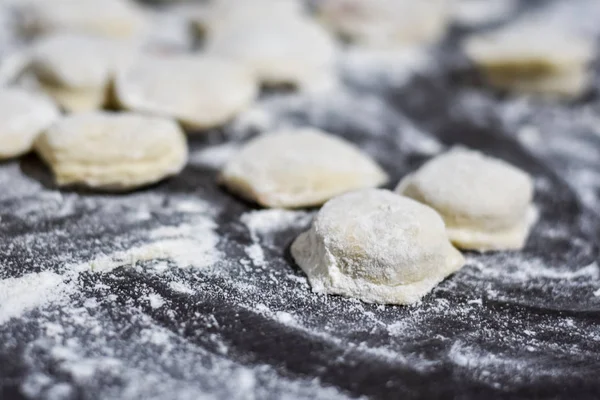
[(275, 39), (113, 151), (295, 52), (386, 23), (199, 91), (210, 16), (76, 69), (111, 18), (533, 58), (23, 116)]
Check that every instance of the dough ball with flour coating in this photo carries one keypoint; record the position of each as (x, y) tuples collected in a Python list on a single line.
[(299, 168), (386, 23), (201, 92), (533, 59), (113, 151), (23, 116), (109, 18), (287, 51), (76, 69), (486, 203), (376, 246)]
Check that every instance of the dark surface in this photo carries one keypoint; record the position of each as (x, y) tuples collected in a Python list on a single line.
[(509, 325)]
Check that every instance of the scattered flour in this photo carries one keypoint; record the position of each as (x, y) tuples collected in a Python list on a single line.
[(384, 67), (19, 295), (263, 223), (120, 335), (214, 156)]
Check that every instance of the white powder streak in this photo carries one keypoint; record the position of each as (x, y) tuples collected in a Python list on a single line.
[(19, 295)]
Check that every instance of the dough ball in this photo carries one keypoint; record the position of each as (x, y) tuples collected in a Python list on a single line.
[(289, 51), (110, 18), (201, 92), (169, 31), (532, 59), (486, 203), (376, 246), (299, 168), (386, 23), (473, 13), (113, 151), (75, 100), (221, 14), (23, 116), (76, 69)]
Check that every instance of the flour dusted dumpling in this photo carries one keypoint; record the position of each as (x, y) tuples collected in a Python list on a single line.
[(386, 23), (485, 202), (216, 15), (76, 69), (533, 59), (288, 51), (376, 246), (201, 92), (113, 151), (110, 18), (23, 116), (299, 168)]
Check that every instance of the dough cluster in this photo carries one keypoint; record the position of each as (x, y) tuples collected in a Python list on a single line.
[(486, 203), (376, 246), (201, 92), (23, 116), (299, 168), (533, 59), (113, 151)]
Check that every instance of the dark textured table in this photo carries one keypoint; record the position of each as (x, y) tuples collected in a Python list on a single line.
[(242, 323)]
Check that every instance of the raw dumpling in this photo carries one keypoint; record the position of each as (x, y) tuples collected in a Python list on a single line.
[(376, 246), (23, 116), (110, 18), (290, 51), (113, 151), (386, 23), (533, 59), (221, 14), (201, 92), (76, 69), (486, 203), (299, 168)]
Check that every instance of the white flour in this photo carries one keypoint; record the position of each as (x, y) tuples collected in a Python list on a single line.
[(19, 295), (113, 295)]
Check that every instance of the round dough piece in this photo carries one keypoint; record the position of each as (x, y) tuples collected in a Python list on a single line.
[(200, 92), (112, 18), (23, 116), (289, 51), (486, 203), (386, 23), (209, 18), (76, 69), (529, 58), (113, 151), (376, 246), (299, 168), (221, 13)]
